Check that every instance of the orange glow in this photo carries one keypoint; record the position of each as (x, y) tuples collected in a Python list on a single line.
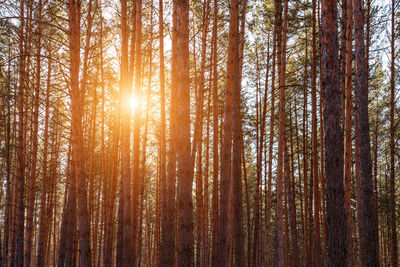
[(133, 103)]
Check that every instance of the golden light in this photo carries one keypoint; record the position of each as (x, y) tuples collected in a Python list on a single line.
[(133, 103)]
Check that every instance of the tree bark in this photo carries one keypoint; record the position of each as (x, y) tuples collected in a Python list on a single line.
[(43, 218), (167, 254), (236, 160), (20, 154), (185, 175), (359, 195), (215, 156), (348, 125), (270, 157), (370, 213), (125, 190), (278, 258), (224, 231), (317, 236), (32, 181), (167, 257), (393, 224), (332, 111), (136, 128), (77, 102)]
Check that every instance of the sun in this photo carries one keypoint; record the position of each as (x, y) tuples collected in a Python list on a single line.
[(133, 103)]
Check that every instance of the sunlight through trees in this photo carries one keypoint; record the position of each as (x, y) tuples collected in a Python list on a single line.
[(199, 133)]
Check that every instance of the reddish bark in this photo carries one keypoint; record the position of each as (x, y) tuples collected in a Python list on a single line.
[(278, 258), (185, 175), (370, 212), (215, 190), (77, 101), (332, 111), (224, 237)]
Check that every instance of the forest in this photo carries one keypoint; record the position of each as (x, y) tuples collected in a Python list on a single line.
[(199, 133)]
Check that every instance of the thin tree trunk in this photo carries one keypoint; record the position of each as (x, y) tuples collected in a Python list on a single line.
[(322, 145), (142, 184), (206, 245), (125, 201), (8, 213), (307, 256), (370, 213), (136, 128), (393, 224), (32, 182), (166, 257), (168, 231), (359, 195), (224, 237), (198, 129), (292, 198), (43, 197), (256, 231), (317, 236), (20, 155), (77, 101), (348, 126), (215, 196), (270, 157), (236, 160), (64, 226), (278, 258), (112, 180)]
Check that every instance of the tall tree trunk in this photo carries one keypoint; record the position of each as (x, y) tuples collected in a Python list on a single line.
[(236, 159), (167, 254), (206, 238), (240, 247), (20, 157), (8, 200), (291, 184), (43, 218), (110, 183), (332, 111), (259, 137), (348, 125), (77, 102), (198, 129), (224, 238), (278, 258), (136, 128), (317, 238), (370, 213), (110, 206), (125, 190), (168, 233), (359, 195), (270, 157), (185, 175), (65, 221), (32, 181), (263, 121), (168, 227), (393, 224), (142, 184), (322, 145), (307, 256), (215, 156)]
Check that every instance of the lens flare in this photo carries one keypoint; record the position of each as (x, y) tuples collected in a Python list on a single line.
[(133, 103)]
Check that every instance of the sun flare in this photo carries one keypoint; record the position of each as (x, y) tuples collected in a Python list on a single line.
[(133, 103)]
